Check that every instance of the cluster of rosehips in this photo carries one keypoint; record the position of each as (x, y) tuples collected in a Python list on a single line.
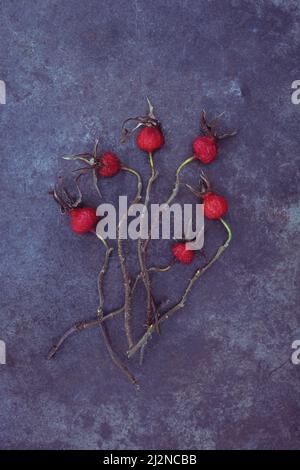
[(149, 139)]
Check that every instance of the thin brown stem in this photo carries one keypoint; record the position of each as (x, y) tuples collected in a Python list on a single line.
[(123, 263), (146, 279), (115, 359), (87, 324), (101, 276), (134, 172), (179, 305), (81, 326), (146, 242), (127, 293), (142, 248)]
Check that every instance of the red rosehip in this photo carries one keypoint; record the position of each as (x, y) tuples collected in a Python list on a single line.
[(205, 148), (182, 253), (109, 164), (83, 219), (215, 206), (150, 139)]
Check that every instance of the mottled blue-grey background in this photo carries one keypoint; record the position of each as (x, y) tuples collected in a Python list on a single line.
[(74, 70)]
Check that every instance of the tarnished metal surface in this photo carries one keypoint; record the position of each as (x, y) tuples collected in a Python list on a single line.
[(75, 70)]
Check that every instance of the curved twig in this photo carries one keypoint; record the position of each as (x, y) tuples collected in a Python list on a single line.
[(80, 326), (115, 359), (177, 180), (174, 191), (101, 275), (123, 264)]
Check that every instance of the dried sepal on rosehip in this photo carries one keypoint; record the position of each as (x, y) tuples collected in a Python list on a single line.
[(215, 206), (205, 147), (83, 219), (105, 165), (150, 138)]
